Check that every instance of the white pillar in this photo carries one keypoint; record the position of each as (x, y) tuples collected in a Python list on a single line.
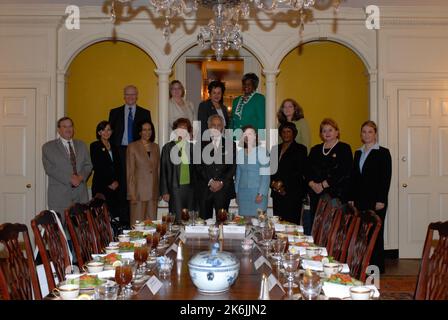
[(163, 75), (271, 107), (61, 79)]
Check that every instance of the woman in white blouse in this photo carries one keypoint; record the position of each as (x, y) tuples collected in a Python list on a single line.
[(178, 107)]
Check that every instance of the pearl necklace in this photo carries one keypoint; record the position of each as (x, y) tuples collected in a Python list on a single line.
[(323, 149)]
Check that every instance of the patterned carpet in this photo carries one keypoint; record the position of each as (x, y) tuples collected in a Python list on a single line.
[(397, 287)]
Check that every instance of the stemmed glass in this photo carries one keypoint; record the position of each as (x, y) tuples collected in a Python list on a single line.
[(310, 286), (170, 218), (161, 229), (185, 216), (123, 276), (278, 246), (266, 235), (290, 263), (140, 256), (221, 217), (152, 241), (193, 215)]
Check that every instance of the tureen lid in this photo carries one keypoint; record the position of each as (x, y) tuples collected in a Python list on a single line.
[(214, 259)]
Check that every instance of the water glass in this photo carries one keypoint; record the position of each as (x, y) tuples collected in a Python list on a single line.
[(164, 269), (106, 291), (310, 286)]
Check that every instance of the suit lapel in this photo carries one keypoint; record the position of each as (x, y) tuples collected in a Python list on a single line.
[(370, 157), (103, 147), (356, 160)]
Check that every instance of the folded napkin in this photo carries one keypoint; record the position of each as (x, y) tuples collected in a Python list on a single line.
[(318, 266), (334, 290), (292, 238), (302, 250), (280, 227), (106, 274), (127, 255), (196, 229)]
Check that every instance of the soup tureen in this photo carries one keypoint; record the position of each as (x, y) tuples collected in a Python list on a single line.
[(214, 271)]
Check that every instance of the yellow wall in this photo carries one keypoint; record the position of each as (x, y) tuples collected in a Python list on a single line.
[(327, 80), (95, 82)]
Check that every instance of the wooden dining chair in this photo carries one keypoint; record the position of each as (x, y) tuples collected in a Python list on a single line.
[(362, 242), (322, 205), (328, 222), (18, 277), (432, 282), (339, 241), (52, 245), (100, 220), (81, 233)]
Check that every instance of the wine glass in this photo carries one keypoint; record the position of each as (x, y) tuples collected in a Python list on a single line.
[(278, 246), (140, 256), (185, 216), (290, 263), (310, 285), (222, 215), (266, 235), (155, 242), (170, 220), (123, 276)]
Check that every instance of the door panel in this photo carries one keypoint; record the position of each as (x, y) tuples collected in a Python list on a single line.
[(423, 166), (17, 155)]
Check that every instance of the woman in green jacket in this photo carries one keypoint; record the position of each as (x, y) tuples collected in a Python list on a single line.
[(249, 108)]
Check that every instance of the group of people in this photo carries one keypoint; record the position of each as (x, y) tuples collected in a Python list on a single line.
[(133, 174)]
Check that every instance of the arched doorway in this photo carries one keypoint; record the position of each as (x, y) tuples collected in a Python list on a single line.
[(95, 80), (328, 80)]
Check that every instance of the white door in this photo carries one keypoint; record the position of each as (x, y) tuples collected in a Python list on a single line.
[(17, 155), (423, 166)]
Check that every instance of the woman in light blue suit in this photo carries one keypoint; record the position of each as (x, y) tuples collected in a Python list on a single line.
[(252, 174)]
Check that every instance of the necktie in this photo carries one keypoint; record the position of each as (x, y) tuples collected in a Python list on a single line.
[(130, 126), (72, 158), (184, 167)]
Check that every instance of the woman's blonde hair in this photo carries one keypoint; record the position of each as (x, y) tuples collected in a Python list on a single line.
[(172, 85), (370, 124), (328, 122)]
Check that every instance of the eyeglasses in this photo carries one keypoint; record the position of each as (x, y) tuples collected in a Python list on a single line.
[(130, 94)]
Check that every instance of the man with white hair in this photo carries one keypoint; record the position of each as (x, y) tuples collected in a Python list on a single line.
[(216, 171), (123, 121)]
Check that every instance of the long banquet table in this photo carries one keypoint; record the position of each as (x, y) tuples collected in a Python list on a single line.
[(180, 286)]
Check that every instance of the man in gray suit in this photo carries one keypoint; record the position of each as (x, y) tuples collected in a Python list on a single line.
[(67, 164)]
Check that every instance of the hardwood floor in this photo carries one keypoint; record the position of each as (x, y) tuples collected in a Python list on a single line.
[(400, 278)]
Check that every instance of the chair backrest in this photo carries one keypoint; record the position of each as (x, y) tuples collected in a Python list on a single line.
[(52, 246), (362, 243), (328, 222), (324, 201), (340, 238), (81, 233), (100, 220), (432, 283), (18, 277)]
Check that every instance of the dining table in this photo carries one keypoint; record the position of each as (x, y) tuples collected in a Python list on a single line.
[(179, 286)]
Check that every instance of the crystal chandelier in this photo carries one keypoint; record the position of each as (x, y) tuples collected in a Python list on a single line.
[(223, 32)]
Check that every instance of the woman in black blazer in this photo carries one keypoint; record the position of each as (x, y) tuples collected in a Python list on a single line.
[(105, 160), (291, 160), (372, 171), (214, 105), (330, 165)]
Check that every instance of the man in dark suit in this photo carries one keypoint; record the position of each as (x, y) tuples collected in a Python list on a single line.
[(123, 121), (216, 171), (67, 163)]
